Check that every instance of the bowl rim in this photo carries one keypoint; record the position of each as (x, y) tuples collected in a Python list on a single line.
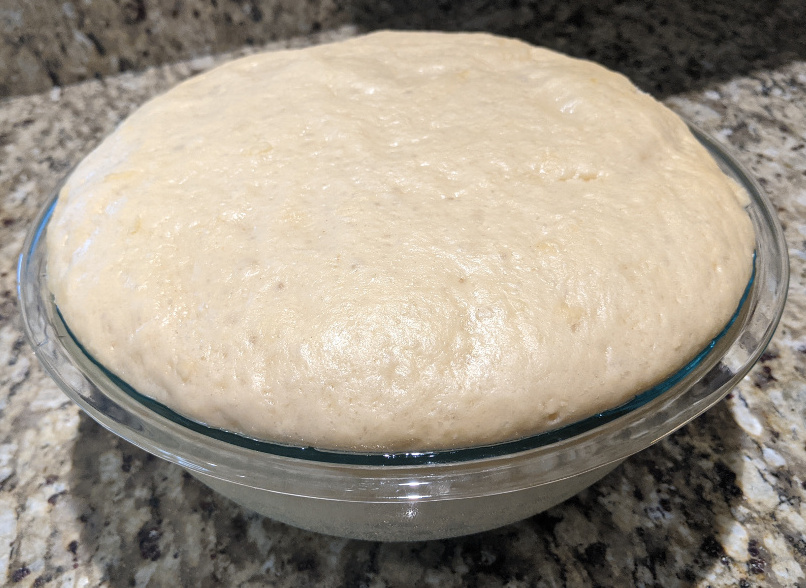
[(604, 438)]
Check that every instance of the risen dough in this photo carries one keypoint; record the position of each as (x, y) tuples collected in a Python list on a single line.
[(404, 241)]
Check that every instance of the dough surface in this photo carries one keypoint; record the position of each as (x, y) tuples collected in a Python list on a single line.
[(404, 241)]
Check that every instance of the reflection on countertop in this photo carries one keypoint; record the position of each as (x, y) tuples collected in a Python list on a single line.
[(719, 503)]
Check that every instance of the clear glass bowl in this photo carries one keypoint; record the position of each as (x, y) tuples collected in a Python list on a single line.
[(415, 496)]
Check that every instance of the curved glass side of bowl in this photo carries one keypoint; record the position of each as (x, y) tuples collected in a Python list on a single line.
[(541, 459)]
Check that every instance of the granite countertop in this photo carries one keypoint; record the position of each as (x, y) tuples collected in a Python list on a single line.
[(719, 503)]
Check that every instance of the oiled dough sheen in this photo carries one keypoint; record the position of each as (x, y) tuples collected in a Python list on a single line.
[(401, 241)]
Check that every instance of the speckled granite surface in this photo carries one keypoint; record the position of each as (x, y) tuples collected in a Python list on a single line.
[(720, 503), (666, 47)]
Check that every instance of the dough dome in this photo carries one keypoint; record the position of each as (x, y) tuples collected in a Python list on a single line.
[(404, 241)]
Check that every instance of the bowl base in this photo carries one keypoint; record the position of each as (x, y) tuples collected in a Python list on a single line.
[(405, 520)]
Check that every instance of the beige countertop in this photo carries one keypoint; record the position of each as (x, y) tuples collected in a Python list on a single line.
[(719, 503)]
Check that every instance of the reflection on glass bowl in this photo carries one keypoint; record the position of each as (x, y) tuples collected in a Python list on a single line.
[(430, 494)]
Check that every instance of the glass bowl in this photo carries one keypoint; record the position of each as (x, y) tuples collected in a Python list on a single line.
[(426, 495)]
